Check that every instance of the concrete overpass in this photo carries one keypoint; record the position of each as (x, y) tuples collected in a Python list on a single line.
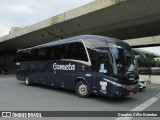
[(145, 41), (123, 19)]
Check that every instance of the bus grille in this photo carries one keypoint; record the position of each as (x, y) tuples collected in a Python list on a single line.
[(130, 87)]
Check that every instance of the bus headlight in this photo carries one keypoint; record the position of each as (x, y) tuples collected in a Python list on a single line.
[(112, 82)]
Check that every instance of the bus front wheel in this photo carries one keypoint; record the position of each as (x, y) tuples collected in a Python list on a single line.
[(27, 82), (82, 89)]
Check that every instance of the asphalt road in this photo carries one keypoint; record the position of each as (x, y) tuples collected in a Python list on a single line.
[(16, 96)]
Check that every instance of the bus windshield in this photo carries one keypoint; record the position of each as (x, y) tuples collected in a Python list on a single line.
[(123, 56), (125, 61)]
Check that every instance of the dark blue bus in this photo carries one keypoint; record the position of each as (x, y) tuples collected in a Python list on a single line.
[(87, 64)]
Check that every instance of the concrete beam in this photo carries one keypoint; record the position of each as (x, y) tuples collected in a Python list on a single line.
[(144, 42), (114, 18), (91, 7)]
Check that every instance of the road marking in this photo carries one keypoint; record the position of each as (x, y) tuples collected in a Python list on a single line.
[(158, 95), (142, 106)]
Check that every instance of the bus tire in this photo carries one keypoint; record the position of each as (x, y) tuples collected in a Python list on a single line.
[(81, 89), (27, 82)]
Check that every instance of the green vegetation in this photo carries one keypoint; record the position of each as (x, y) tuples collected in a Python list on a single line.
[(146, 65), (149, 63)]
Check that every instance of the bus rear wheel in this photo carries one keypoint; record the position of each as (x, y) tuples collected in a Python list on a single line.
[(82, 89), (27, 82)]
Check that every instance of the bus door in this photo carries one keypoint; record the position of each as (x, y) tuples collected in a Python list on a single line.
[(103, 63), (104, 67)]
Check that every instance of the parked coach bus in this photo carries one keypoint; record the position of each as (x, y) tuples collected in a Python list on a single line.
[(88, 64)]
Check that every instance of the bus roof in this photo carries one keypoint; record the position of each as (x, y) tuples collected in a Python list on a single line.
[(79, 39)]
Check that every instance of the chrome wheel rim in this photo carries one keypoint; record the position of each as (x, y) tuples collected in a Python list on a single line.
[(83, 89)]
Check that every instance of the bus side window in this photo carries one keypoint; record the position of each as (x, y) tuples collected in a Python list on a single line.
[(80, 52), (77, 51), (41, 54), (34, 55), (73, 55), (56, 53), (93, 58), (62, 51), (74, 51), (51, 55), (26, 55), (70, 51)]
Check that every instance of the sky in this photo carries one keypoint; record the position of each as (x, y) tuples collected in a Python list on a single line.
[(153, 50), (22, 13)]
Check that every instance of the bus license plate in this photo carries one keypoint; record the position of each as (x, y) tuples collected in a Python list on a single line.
[(131, 93)]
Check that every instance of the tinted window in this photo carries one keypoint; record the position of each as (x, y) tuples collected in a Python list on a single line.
[(24, 55), (93, 58), (74, 51), (77, 51), (34, 55)]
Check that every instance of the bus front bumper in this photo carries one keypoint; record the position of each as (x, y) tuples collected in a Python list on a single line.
[(125, 91)]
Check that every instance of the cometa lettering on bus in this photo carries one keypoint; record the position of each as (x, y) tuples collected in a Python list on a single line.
[(63, 67)]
